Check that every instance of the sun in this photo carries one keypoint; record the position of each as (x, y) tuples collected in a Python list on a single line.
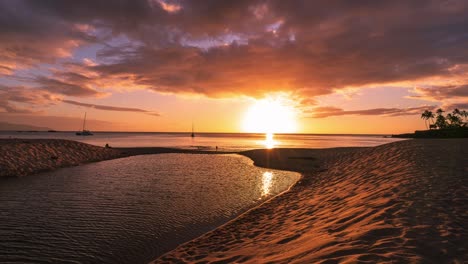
[(270, 116)]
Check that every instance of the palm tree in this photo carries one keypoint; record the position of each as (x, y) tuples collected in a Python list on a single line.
[(455, 121), (439, 112), (425, 116), (430, 117), (441, 122), (464, 114)]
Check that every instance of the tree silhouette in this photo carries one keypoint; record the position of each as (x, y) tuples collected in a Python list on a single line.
[(425, 116), (441, 122), (465, 115), (454, 118), (451, 120), (430, 116), (439, 112)]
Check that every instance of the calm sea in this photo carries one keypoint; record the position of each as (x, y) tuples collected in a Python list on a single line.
[(224, 141)]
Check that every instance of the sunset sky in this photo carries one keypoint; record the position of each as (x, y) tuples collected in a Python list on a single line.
[(228, 66)]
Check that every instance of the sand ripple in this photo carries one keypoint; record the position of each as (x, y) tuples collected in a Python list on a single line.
[(403, 202)]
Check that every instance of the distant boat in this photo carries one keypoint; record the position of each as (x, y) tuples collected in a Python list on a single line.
[(193, 134), (84, 132)]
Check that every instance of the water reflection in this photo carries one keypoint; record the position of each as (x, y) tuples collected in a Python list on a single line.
[(127, 210), (269, 141), (266, 182)]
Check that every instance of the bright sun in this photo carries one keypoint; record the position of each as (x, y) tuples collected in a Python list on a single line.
[(270, 116)]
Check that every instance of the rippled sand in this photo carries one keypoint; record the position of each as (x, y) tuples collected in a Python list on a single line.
[(404, 202)]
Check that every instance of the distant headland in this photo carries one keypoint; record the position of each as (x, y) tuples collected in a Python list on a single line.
[(452, 125)]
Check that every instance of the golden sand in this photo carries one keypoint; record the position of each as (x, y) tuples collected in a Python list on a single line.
[(404, 202)]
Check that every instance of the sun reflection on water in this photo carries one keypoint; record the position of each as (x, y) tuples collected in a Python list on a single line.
[(266, 182), (269, 141)]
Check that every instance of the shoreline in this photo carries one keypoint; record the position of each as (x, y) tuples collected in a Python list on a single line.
[(403, 201), (26, 157)]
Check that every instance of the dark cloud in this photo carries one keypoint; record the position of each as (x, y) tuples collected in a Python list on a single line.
[(111, 108), (439, 93), (308, 47), (29, 37), (460, 106), (7, 107), (322, 112), (66, 88), (24, 95), (34, 100), (24, 100)]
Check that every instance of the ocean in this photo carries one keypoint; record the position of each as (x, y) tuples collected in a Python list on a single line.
[(209, 141)]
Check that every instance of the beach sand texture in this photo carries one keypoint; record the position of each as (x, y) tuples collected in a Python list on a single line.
[(21, 157), (404, 202)]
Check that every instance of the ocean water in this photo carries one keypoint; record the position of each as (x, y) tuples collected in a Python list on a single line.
[(209, 141), (127, 210)]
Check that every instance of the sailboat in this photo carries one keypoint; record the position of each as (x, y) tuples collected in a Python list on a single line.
[(193, 134), (84, 132)]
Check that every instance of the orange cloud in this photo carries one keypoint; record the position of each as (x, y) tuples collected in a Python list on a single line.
[(317, 48), (322, 112)]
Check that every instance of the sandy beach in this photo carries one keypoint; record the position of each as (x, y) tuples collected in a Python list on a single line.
[(403, 202), (21, 157)]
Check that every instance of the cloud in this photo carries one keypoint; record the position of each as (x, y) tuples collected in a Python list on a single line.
[(24, 100), (10, 108), (460, 106), (322, 112), (29, 38), (29, 100), (61, 123), (66, 88), (438, 93), (228, 48), (112, 108)]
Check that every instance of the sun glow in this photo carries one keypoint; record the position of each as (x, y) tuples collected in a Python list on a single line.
[(270, 116), (269, 141)]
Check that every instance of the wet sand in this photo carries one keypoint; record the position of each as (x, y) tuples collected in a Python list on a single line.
[(404, 202)]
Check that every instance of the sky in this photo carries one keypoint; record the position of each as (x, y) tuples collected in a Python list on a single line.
[(232, 66)]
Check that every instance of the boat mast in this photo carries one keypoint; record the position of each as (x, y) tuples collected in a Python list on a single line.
[(84, 121)]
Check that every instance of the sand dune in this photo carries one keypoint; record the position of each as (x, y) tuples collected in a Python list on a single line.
[(404, 202), (20, 157)]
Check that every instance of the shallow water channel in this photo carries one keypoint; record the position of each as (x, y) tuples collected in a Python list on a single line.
[(128, 210)]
